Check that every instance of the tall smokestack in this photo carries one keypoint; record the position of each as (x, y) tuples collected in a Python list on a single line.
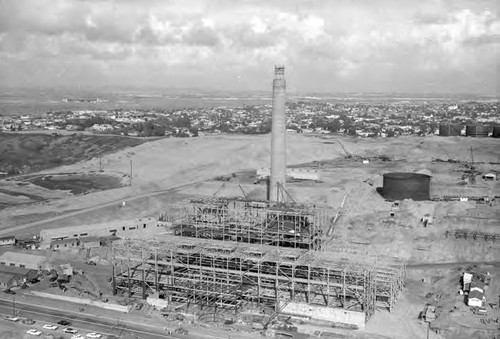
[(278, 133)]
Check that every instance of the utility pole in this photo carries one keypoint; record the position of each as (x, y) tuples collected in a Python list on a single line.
[(100, 164), (131, 172), (471, 159), (13, 306)]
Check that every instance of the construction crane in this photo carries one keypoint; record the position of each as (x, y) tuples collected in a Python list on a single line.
[(219, 189), (243, 191), (337, 215), (347, 154)]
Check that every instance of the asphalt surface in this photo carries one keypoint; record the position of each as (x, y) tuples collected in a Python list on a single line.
[(84, 323)]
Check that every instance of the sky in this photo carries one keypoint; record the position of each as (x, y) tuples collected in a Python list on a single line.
[(404, 46)]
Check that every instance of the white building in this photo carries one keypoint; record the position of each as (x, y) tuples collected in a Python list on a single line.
[(5, 241), (291, 173), (121, 228), (23, 260)]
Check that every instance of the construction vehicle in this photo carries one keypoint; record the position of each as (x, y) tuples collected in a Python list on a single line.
[(347, 154)]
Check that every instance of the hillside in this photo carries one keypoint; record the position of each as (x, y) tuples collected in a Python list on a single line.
[(25, 153)]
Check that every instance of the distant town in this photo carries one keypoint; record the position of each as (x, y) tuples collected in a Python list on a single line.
[(355, 119)]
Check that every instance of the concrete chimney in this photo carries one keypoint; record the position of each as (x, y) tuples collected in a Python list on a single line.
[(278, 134)]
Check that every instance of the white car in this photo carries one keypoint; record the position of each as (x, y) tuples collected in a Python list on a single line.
[(50, 327), (13, 319), (94, 335), (70, 330), (34, 332), (77, 336)]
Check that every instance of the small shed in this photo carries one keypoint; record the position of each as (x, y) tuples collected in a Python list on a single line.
[(7, 280), (475, 299), (467, 278), (21, 274), (476, 285), (5, 241), (90, 242)]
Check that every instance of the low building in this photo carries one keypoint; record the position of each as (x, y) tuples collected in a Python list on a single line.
[(5, 241), (64, 244), (475, 299), (23, 260), (11, 276), (291, 174), (90, 242), (122, 228), (477, 285), (7, 280), (467, 278)]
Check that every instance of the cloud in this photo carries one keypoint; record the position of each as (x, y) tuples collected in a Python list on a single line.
[(358, 44), (483, 40)]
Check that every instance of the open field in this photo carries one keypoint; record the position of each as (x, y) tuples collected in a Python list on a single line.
[(34, 152), (29, 153), (168, 171)]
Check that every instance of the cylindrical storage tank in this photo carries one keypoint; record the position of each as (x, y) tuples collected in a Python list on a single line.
[(479, 131), (447, 130), (496, 132), (405, 185)]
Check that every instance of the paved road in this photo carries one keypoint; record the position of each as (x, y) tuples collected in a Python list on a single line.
[(84, 322)]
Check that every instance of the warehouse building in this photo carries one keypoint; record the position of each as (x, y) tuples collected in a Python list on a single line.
[(23, 260), (64, 244), (122, 228)]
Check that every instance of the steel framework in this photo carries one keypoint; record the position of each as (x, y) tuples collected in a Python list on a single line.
[(228, 275), (256, 222)]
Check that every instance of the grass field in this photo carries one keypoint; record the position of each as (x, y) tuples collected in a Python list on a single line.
[(25, 153)]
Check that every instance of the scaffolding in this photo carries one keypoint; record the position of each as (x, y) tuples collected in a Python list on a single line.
[(221, 275), (255, 222)]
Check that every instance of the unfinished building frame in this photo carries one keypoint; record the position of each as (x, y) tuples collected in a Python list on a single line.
[(222, 275), (255, 222)]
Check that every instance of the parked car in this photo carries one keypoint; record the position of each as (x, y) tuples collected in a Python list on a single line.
[(28, 321), (94, 335), (50, 327), (64, 322), (13, 319), (34, 332), (70, 330)]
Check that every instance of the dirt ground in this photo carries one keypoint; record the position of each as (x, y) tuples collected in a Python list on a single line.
[(168, 171)]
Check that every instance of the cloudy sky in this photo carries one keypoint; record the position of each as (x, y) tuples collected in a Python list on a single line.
[(429, 46)]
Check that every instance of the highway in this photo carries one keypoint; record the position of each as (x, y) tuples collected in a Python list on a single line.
[(83, 322), (86, 323)]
